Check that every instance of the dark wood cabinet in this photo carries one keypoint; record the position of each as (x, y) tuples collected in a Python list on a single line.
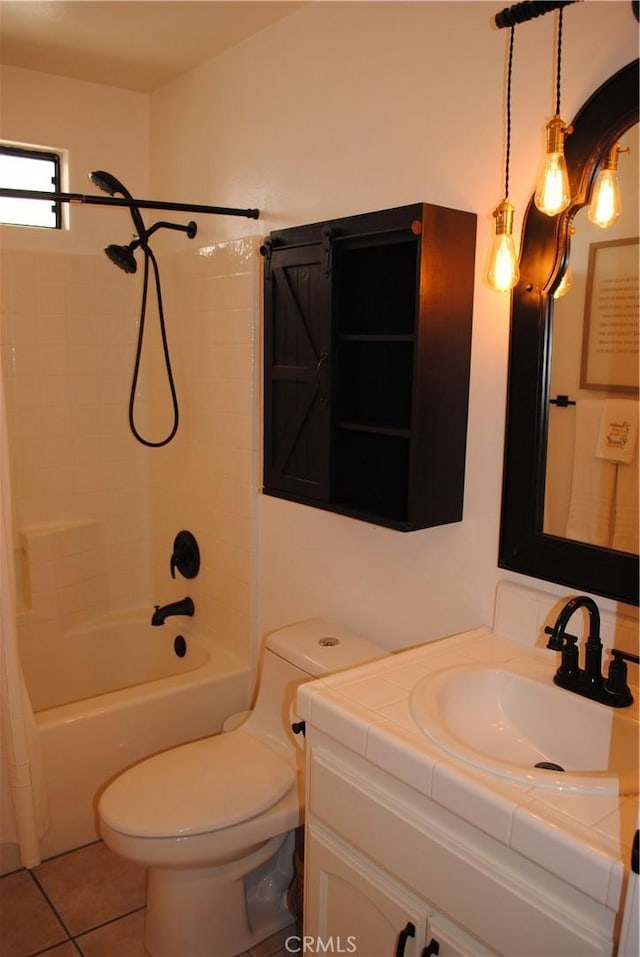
[(367, 344)]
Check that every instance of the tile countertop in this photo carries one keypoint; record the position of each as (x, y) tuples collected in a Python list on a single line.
[(583, 839)]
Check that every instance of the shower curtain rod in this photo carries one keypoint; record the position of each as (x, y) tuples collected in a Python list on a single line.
[(528, 10), (84, 200)]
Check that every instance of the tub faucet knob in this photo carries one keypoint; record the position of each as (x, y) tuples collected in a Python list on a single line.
[(185, 556)]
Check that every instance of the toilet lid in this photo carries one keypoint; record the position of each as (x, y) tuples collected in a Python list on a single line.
[(197, 787)]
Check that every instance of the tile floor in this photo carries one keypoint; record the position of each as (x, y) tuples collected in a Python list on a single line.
[(87, 902)]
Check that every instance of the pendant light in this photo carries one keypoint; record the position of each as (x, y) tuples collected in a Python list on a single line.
[(605, 204), (503, 272), (552, 192)]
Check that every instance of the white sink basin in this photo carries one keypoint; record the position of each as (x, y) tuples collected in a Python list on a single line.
[(505, 720)]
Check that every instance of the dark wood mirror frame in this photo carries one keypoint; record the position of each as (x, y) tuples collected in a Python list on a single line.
[(524, 547)]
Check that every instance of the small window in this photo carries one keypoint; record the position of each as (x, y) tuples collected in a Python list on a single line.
[(34, 170)]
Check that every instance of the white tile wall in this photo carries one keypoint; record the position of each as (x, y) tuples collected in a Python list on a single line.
[(206, 479), (69, 328)]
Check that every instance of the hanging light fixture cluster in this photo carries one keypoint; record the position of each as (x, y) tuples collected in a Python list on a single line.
[(552, 194), (552, 191)]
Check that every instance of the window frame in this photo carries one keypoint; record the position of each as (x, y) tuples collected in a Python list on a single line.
[(50, 156)]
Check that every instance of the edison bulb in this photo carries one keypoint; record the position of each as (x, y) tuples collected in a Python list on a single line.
[(552, 192), (503, 272), (605, 203)]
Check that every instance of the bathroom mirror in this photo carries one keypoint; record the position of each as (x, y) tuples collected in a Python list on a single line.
[(525, 545)]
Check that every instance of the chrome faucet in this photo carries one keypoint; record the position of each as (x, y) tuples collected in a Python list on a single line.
[(589, 681), (162, 612)]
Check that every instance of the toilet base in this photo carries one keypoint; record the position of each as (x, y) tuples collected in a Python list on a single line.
[(219, 911)]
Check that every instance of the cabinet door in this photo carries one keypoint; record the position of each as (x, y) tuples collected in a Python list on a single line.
[(297, 389), (355, 907), (447, 940)]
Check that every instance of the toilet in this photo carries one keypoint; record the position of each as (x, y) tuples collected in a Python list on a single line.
[(213, 820)]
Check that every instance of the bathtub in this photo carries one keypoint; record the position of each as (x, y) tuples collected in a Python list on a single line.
[(113, 692)]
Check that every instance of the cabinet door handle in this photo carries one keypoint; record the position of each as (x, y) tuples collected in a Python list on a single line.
[(403, 936), (432, 949), (322, 361)]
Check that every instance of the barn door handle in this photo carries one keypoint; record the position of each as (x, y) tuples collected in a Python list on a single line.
[(403, 936), (322, 361), (327, 246)]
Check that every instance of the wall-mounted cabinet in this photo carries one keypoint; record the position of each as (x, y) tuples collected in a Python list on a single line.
[(366, 364)]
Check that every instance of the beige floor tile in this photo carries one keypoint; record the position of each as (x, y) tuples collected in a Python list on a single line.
[(123, 938), (91, 886), (27, 923)]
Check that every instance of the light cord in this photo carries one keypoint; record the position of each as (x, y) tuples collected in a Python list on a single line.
[(559, 62), (512, 33)]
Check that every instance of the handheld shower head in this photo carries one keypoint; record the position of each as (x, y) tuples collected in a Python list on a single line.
[(108, 183), (122, 256)]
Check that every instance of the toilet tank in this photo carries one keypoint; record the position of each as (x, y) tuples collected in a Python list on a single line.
[(318, 647), (301, 652)]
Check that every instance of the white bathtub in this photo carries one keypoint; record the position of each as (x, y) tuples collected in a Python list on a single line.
[(113, 693)]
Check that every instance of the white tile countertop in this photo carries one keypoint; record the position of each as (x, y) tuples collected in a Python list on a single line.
[(583, 839)]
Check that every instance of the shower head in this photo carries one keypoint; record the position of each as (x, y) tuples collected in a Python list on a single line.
[(122, 256), (108, 183)]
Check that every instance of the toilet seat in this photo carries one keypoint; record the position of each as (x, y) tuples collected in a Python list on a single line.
[(198, 787)]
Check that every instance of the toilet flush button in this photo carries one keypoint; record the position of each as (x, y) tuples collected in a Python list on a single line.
[(328, 642)]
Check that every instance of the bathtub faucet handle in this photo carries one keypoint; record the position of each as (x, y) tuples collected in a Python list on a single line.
[(185, 556)]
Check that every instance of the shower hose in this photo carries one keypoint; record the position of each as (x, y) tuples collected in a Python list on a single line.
[(148, 256)]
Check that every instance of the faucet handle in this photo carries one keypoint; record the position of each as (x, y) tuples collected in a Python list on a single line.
[(625, 656), (559, 639), (616, 684), (555, 641), (185, 556)]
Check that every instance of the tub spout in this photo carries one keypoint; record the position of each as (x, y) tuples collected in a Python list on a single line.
[(162, 612)]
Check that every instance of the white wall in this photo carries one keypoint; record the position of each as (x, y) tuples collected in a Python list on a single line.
[(344, 108)]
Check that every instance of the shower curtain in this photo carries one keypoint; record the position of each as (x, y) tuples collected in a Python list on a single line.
[(22, 798)]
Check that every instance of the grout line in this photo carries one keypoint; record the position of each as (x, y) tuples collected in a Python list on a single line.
[(43, 953), (106, 923), (51, 904), (73, 850)]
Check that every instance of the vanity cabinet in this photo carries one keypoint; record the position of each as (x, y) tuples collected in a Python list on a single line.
[(367, 344), (367, 913), (381, 857)]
